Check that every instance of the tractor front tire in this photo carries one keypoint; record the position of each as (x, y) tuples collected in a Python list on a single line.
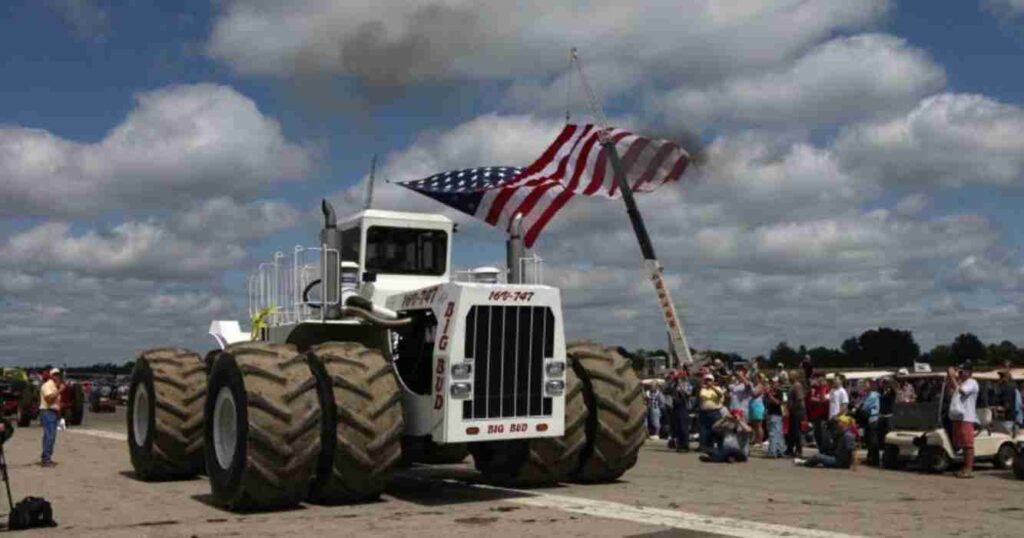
[(539, 462), (165, 414), (262, 427), (363, 422), (77, 405), (615, 427)]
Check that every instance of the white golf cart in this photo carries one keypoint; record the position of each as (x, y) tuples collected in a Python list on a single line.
[(918, 434)]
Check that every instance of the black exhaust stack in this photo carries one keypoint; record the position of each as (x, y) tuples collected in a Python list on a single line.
[(330, 260)]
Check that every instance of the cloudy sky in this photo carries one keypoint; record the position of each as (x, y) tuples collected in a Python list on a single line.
[(865, 158)]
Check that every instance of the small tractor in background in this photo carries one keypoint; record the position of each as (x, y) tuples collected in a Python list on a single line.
[(366, 352), (72, 400)]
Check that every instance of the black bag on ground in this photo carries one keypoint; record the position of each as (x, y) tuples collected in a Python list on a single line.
[(30, 513)]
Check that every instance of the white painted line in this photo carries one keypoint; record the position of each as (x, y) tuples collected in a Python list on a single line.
[(114, 436), (676, 519)]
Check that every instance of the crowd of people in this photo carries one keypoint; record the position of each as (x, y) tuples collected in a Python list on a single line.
[(778, 411)]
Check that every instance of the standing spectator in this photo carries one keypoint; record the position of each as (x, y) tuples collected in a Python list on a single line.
[(740, 392), (808, 366), (838, 405), (846, 449), (886, 404), (1009, 399), (797, 408), (49, 414), (756, 421), (906, 392), (870, 408), (679, 390), (773, 410), (963, 413), (817, 411), (653, 410), (710, 410), (735, 434)]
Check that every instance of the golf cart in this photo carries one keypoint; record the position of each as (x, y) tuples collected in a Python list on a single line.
[(918, 433)]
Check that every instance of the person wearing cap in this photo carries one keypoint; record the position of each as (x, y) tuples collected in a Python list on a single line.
[(49, 414), (845, 443), (710, 410), (963, 413)]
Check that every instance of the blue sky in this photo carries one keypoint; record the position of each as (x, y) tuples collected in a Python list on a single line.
[(829, 210)]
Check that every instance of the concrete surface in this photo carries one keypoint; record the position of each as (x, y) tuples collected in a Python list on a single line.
[(94, 492)]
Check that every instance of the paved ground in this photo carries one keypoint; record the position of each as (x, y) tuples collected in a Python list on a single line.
[(667, 494)]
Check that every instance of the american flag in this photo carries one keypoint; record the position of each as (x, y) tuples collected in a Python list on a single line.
[(575, 164)]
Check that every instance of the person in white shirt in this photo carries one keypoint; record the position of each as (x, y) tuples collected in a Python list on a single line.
[(838, 398), (963, 413)]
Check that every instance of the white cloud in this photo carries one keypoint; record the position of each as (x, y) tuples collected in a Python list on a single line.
[(87, 18), (223, 219), (843, 79), (131, 249), (1005, 8), (178, 144), (400, 42), (947, 139)]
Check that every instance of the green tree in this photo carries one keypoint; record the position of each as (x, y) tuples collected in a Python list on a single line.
[(1002, 353), (940, 356), (968, 347), (887, 347), (788, 356)]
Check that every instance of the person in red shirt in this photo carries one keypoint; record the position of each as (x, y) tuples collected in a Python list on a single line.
[(817, 411)]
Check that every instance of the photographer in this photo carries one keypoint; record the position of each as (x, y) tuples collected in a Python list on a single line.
[(49, 414)]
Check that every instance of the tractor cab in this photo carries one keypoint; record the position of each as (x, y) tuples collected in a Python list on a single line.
[(397, 251)]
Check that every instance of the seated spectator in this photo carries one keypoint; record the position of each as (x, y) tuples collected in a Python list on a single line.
[(735, 434), (845, 456)]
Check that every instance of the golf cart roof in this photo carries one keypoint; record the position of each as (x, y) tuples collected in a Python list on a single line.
[(862, 374)]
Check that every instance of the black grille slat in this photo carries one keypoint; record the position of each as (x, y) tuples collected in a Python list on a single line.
[(508, 345)]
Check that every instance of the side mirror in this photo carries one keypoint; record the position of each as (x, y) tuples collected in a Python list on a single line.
[(369, 276)]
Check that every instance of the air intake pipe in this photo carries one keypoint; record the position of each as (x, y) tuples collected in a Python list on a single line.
[(515, 251), (330, 262)]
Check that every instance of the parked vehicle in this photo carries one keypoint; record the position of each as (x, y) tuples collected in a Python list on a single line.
[(919, 434), (72, 401)]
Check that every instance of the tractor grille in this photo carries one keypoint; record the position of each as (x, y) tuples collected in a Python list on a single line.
[(507, 345)]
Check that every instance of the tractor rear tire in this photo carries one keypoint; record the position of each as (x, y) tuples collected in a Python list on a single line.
[(262, 433), (543, 461), (363, 422), (77, 405), (165, 414), (615, 427), (29, 399)]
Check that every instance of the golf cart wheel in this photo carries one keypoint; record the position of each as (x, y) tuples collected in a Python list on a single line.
[(934, 459), (615, 425), (891, 457), (1005, 456), (77, 405), (1018, 465), (165, 414), (363, 422), (539, 462), (262, 427)]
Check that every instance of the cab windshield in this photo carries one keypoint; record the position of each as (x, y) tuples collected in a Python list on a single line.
[(406, 251)]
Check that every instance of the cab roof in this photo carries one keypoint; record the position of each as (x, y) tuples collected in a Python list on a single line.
[(384, 214)]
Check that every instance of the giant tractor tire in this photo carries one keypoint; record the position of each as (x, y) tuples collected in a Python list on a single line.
[(262, 427), (165, 414), (77, 411), (615, 428), (539, 462), (363, 422)]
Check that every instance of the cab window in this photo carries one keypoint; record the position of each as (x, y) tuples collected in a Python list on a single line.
[(406, 251)]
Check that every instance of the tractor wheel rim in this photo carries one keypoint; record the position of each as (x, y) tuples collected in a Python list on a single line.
[(140, 415), (225, 428)]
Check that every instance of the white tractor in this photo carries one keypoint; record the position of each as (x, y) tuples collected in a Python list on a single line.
[(365, 353)]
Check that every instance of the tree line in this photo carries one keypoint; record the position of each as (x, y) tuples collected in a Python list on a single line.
[(881, 347)]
